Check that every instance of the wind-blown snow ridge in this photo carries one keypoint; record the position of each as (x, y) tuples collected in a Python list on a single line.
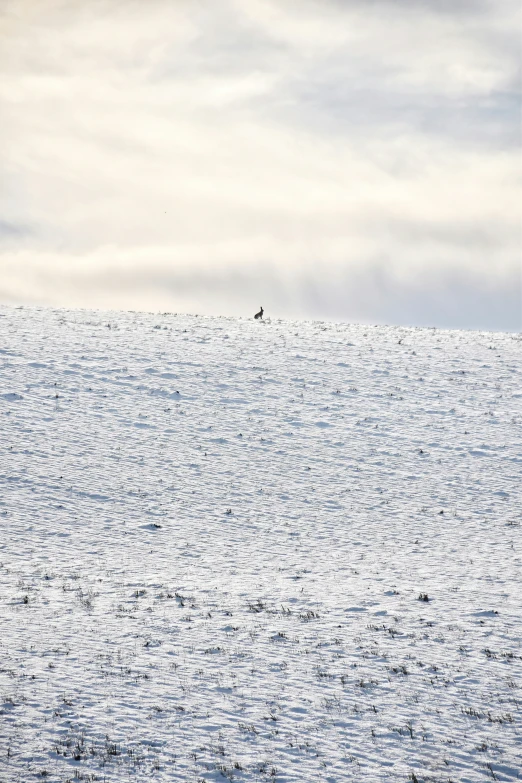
[(257, 551)]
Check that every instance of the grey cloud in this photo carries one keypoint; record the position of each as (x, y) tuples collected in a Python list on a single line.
[(14, 230), (371, 293), (451, 299), (340, 107), (469, 8)]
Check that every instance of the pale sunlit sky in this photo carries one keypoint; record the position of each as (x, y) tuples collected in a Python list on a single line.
[(353, 160)]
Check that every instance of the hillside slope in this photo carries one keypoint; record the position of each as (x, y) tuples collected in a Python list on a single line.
[(215, 537)]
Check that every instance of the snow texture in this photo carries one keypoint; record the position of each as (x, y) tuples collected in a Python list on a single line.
[(258, 551)]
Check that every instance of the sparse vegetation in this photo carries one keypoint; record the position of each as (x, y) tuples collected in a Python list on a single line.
[(268, 622)]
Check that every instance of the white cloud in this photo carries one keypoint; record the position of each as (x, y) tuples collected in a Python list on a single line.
[(187, 155)]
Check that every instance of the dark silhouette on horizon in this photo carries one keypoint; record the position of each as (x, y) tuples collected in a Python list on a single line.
[(259, 314)]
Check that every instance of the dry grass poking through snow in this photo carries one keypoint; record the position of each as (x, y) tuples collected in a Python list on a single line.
[(251, 551)]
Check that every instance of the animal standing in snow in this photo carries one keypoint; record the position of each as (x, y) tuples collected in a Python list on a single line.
[(259, 314)]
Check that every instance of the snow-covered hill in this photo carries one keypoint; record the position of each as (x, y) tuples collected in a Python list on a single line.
[(253, 551)]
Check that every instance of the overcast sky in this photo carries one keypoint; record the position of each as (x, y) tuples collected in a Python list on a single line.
[(356, 160)]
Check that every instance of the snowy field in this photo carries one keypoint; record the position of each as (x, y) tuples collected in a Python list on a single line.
[(249, 551)]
